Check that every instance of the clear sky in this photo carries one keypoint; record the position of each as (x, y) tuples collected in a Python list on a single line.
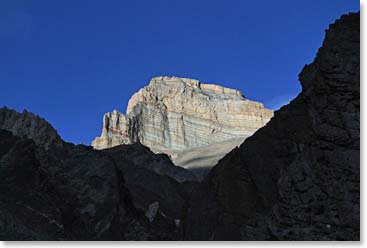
[(72, 61)]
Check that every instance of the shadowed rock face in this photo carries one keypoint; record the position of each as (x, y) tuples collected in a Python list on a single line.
[(298, 177), (141, 155), (52, 190), (152, 178), (28, 125), (200, 160), (68, 194)]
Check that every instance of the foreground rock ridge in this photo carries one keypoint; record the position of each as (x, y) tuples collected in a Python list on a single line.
[(298, 178), (174, 113), (53, 190)]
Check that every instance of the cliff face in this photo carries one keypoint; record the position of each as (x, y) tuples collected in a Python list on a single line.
[(114, 131), (298, 177), (178, 113)]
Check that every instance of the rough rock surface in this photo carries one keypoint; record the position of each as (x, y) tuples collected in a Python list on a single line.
[(152, 178), (141, 155), (178, 113), (185, 119), (30, 126), (297, 178), (68, 192), (63, 195), (200, 160), (114, 131)]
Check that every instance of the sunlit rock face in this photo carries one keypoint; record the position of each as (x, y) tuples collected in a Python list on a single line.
[(114, 131), (173, 114)]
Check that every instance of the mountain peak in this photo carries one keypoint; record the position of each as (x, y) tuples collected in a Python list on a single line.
[(173, 114)]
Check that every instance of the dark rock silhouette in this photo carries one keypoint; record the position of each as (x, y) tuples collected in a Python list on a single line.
[(58, 191), (298, 177)]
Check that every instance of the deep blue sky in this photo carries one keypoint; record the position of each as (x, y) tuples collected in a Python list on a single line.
[(72, 61)]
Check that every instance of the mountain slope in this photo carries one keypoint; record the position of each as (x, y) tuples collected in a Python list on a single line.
[(52, 190), (297, 178)]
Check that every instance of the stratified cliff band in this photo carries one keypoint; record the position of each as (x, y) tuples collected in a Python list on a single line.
[(175, 115), (178, 113)]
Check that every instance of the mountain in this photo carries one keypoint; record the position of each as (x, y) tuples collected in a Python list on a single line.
[(172, 115), (53, 190), (297, 178)]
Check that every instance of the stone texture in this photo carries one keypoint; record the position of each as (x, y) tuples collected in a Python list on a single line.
[(173, 114), (199, 160), (114, 131), (30, 126), (68, 192), (297, 178), (141, 155), (63, 195), (151, 178)]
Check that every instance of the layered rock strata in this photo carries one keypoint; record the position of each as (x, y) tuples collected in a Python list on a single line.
[(173, 114), (297, 178)]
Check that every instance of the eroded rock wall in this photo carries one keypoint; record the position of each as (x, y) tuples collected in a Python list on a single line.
[(178, 113)]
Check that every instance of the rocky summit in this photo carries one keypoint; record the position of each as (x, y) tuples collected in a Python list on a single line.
[(172, 115)]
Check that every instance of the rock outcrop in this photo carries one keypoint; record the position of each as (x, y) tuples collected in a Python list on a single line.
[(297, 178), (53, 190), (28, 125), (178, 113), (114, 131), (184, 118)]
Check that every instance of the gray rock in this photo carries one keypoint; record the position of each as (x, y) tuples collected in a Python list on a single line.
[(28, 125), (178, 115)]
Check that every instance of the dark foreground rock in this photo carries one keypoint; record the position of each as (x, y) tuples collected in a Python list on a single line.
[(298, 177), (58, 191)]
